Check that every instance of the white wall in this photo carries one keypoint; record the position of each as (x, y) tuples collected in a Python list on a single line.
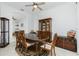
[(30, 23), (8, 12), (0, 9), (0, 23), (35, 19), (77, 12), (63, 18)]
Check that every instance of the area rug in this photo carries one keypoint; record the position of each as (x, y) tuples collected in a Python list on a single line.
[(30, 52)]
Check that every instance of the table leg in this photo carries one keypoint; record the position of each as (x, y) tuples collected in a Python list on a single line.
[(36, 48)]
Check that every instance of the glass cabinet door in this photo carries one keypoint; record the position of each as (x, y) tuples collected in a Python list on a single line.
[(4, 32), (6, 37), (6, 25), (0, 31)]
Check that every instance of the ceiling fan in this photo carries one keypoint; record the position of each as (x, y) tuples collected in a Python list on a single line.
[(36, 5)]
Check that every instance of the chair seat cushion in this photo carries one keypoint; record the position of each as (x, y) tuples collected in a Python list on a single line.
[(46, 46), (30, 44)]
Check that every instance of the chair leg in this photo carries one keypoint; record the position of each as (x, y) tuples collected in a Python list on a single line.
[(54, 52), (53, 48), (36, 48)]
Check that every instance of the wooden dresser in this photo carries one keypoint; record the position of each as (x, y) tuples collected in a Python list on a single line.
[(67, 43)]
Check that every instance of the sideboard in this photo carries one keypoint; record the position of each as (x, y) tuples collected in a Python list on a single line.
[(68, 43)]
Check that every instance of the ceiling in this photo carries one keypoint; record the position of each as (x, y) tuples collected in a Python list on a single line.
[(21, 5)]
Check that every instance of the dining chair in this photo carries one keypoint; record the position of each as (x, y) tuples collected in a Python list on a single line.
[(21, 41), (50, 46)]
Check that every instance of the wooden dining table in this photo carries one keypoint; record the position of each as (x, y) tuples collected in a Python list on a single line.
[(39, 43)]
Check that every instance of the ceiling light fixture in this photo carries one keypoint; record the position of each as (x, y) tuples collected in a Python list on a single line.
[(35, 6)]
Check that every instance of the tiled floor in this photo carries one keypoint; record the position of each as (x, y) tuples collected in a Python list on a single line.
[(10, 51), (63, 52)]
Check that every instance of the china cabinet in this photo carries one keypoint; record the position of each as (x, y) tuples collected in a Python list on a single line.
[(4, 32), (45, 29)]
